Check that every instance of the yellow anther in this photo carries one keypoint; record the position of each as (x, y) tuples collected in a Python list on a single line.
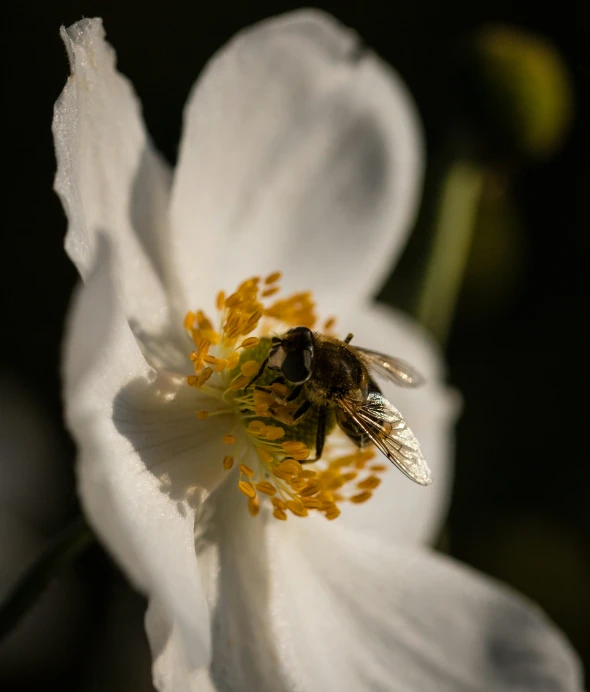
[(361, 497), (266, 488), (292, 446), (250, 368), (247, 488), (301, 455), (250, 342), (273, 432), (279, 503), (270, 292), (290, 466), (220, 302), (256, 426), (228, 439), (350, 476), (189, 321), (296, 506), (280, 514), (329, 323), (253, 506), (228, 462), (264, 455), (311, 502), (273, 278), (332, 513), (233, 360), (240, 383), (280, 389), (297, 484), (212, 360), (308, 473), (192, 380), (233, 300), (204, 376), (201, 415), (246, 470), (311, 489), (369, 483), (378, 467), (221, 365)]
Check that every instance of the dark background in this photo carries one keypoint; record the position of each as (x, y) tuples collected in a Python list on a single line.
[(519, 508)]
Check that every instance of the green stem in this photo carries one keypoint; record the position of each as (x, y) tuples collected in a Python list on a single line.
[(454, 225), (66, 547)]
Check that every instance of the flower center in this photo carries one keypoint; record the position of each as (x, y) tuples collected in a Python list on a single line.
[(272, 449)]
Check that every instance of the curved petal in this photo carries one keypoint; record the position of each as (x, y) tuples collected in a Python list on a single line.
[(109, 177), (332, 612), (401, 511), (301, 152), (143, 462)]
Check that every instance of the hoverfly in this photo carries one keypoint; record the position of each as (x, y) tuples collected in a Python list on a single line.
[(328, 373)]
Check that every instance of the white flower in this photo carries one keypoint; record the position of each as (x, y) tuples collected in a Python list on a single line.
[(300, 153)]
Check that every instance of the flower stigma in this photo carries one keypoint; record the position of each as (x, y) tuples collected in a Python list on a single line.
[(268, 450)]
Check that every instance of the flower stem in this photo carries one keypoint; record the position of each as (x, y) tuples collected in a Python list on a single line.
[(453, 229), (64, 549)]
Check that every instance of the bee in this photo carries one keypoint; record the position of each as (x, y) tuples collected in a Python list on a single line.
[(327, 373)]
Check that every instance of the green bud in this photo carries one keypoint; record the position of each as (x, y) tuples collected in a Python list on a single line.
[(524, 89)]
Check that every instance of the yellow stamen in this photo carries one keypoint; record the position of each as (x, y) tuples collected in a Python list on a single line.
[(250, 342), (247, 488), (266, 488), (361, 497), (221, 352), (273, 278), (253, 506), (246, 470), (250, 368)]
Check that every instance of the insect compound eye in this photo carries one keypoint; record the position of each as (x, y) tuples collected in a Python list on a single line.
[(297, 366)]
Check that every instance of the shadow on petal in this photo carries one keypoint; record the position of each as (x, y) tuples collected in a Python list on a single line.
[(183, 453)]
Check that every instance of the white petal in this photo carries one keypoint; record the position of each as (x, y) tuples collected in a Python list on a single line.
[(109, 178), (300, 153), (401, 510), (333, 613), (141, 452)]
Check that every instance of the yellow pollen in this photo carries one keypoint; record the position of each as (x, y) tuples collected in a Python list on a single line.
[(246, 470), (229, 351), (247, 488)]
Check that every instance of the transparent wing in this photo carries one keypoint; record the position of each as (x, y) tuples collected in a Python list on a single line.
[(397, 371), (386, 428)]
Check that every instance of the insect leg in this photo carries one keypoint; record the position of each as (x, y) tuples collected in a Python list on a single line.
[(304, 408), (258, 374), (348, 338), (294, 393), (320, 437)]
